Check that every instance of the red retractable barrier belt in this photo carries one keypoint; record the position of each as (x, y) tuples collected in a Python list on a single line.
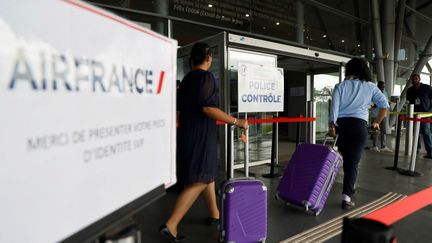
[(404, 118), (400, 209), (277, 120)]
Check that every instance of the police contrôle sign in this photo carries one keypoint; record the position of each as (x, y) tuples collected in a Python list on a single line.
[(260, 88)]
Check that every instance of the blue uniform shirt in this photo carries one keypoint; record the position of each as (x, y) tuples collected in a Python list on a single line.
[(351, 98)]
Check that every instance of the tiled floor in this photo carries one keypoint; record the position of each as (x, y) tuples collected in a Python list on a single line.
[(373, 182)]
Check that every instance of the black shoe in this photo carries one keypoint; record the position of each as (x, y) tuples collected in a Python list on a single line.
[(213, 221), (347, 205), (428, 156), (167, 234)]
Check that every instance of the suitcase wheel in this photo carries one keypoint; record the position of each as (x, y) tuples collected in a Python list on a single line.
[(222, 237), (317, 213), (306, 205)]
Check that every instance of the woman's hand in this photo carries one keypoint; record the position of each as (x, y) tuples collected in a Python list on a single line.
[(332, 131), (242, 123)]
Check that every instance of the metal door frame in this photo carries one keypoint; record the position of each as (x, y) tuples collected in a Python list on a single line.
[(227, 41)]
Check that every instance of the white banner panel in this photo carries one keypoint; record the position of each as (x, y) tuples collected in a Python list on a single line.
[(87, 107), (260, 88)]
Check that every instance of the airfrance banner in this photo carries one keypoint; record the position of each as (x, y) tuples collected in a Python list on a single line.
[(260, 88), (87, 107)]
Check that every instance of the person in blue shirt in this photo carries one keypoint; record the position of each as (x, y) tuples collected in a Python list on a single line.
[(349, 117), (420, 95)]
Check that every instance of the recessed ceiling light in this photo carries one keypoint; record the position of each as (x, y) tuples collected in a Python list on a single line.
[(210, 5), (342, 41), (264, 27), (247, 15), (277, 23), (324, 36), (358, 45)]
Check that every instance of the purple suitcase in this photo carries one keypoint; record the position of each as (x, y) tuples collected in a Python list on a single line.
[(244, 211), (309, 176), (243, 207)]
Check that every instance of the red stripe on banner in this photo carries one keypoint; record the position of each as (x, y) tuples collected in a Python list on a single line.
[(118, 20), (400, 209), (161, 77)]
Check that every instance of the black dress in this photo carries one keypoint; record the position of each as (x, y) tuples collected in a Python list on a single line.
[(196, 135)]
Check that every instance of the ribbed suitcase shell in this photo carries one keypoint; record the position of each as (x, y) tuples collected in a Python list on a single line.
[(244, 211), (309, 176)]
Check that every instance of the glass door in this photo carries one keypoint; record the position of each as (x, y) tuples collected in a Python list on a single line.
[(323, 85)]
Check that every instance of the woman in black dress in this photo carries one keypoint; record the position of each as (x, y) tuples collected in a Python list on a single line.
[(198, 111)]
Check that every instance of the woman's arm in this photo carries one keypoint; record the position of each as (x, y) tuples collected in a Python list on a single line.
[(220, 115)]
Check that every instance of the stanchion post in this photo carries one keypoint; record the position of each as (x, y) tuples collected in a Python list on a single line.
[(311, 126), (298, 131), (411, 171), (277, 141), (398, 135), (230, 152), (246, 151), (409, 130), (273, 154)]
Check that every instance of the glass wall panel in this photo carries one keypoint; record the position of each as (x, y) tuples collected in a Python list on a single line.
[(229, 14), (154, 6), (277, 19), (359, 9), (265, 17), (186, 33), (159, 25), (330, 31)]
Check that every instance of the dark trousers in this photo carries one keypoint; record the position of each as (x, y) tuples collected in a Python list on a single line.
[(426, 133), (352, 138)]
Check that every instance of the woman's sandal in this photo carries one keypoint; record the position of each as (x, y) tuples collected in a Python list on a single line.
[(173, 239), (213, 221)]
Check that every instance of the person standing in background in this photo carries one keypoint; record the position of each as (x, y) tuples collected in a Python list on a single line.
[(420, 95), (383, 126), (197, 112), (349, 117)]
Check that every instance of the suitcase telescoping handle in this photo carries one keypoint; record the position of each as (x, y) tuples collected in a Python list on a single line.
[(230, 162), (335, 140)]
